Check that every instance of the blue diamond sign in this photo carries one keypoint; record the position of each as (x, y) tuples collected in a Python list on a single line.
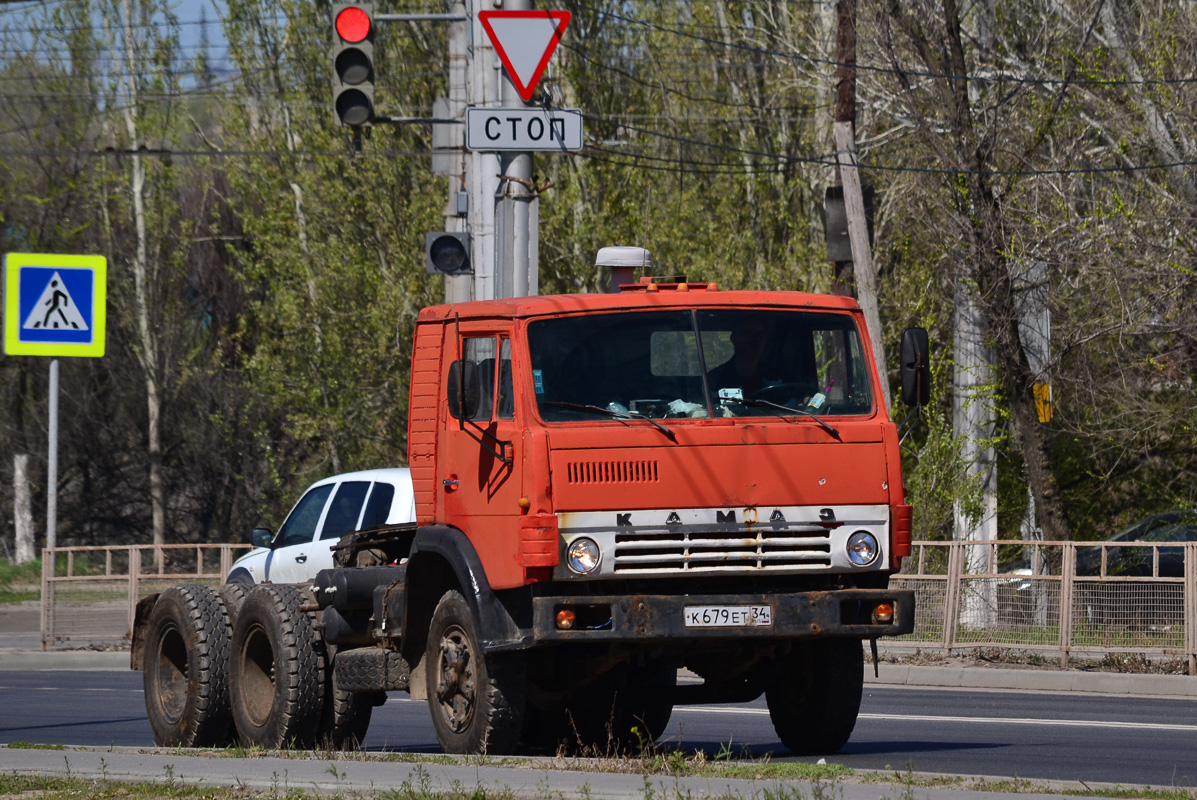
[(54, 305)]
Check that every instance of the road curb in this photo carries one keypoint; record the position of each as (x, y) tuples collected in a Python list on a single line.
[(25, 660), (1038, 680)]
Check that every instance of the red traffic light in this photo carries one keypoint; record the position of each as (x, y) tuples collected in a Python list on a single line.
[(353, 24)]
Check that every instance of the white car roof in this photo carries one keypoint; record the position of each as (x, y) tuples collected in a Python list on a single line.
[(402, 506)]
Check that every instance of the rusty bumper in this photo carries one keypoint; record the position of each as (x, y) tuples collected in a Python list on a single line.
[(845, 613)]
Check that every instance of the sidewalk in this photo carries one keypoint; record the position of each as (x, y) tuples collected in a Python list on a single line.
[(541, 778)]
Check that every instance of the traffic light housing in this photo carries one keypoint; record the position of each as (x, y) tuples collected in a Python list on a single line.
[(353, 63), (447, 253)]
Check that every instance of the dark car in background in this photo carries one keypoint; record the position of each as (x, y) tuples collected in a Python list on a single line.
[(1124, 559)]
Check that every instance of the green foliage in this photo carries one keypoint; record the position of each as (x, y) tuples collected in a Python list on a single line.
[(284, 274)]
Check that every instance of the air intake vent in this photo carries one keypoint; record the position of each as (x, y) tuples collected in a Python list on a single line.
[(586, 472)]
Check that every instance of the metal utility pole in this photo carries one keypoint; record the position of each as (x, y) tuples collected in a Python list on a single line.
[(456, 163), (856, 276), (517, 265)]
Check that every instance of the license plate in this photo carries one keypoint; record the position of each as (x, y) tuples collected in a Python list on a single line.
[(728, 616)]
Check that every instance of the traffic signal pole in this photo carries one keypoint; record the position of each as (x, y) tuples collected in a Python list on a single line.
[(459, 288), (517, 264), (482, 168), (489, 248)]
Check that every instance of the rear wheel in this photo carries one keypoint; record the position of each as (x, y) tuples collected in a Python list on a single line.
[(277, 672), (233, 595), (814, 695), (476, 701), (186, 669), (346, 714)]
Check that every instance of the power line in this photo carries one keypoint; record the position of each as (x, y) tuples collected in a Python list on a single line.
[(826, 62)]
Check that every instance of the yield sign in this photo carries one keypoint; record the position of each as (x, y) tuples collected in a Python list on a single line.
[(525, 41)]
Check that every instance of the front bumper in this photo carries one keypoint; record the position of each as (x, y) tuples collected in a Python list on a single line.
[(661, 618)]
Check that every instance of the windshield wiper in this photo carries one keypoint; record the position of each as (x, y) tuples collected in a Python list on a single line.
[(613, 414), (758, 403)]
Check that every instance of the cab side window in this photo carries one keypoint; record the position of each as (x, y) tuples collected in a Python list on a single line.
[(300, 525), (481, 351), (505, 399), (345, 509)]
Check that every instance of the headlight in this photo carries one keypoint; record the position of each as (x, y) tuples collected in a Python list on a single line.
[(862, 548), (583, 556)]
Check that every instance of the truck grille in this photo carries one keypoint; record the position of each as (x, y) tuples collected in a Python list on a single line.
[(710, 549)]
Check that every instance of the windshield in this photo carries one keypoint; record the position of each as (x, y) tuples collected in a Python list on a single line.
[(675, 364)]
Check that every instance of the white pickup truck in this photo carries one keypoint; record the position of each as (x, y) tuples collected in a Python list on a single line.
[(330, 508)]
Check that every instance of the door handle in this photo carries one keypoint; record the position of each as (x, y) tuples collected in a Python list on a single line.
[(301, 558)]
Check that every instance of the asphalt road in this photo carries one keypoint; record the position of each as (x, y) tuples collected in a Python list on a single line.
[(1060, 736)]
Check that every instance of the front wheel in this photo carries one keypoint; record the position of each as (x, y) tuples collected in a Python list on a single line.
[(814, 695), (476, 701)]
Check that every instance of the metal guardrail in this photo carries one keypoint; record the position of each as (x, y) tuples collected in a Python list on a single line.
[(90, 594), (964, 597), (1066, 597)]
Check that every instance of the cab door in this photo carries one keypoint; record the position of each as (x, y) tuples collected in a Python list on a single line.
[(479, 457)]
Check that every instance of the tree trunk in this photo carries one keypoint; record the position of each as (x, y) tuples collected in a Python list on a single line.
[(980, 221), (146, 337), (22, 509)]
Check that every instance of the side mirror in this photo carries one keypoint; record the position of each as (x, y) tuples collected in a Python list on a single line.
[(462, 390), (260, 537), (915, 367)]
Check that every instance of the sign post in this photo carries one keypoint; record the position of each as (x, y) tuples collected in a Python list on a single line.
[(54, 305), (500, 127)]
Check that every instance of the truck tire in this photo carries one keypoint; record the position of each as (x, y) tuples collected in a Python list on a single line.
[(611, 721), (814, 695), (476, 701), (346, 715), (233, 595), (186, 669), (277, 671)]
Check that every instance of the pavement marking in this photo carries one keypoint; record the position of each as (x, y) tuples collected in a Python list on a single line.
[(1067, 723)]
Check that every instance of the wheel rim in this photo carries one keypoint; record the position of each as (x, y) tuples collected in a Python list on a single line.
[(456, 681), (257, 675), (172, 674)]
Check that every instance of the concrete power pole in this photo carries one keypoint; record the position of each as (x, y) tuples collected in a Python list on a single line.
[(973, 413), (860, 267)]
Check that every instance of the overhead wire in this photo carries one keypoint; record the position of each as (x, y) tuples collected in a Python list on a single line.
[(770, 159), (814, 61)]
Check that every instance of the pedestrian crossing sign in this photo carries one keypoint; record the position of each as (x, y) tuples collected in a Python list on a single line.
[(54, 305)]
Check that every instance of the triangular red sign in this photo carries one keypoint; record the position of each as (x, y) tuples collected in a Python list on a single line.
[(525, 41)]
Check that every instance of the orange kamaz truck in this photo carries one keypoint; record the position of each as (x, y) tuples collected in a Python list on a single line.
[(610, 489)]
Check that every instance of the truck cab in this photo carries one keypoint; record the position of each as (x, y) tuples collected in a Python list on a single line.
[(672, 476)]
